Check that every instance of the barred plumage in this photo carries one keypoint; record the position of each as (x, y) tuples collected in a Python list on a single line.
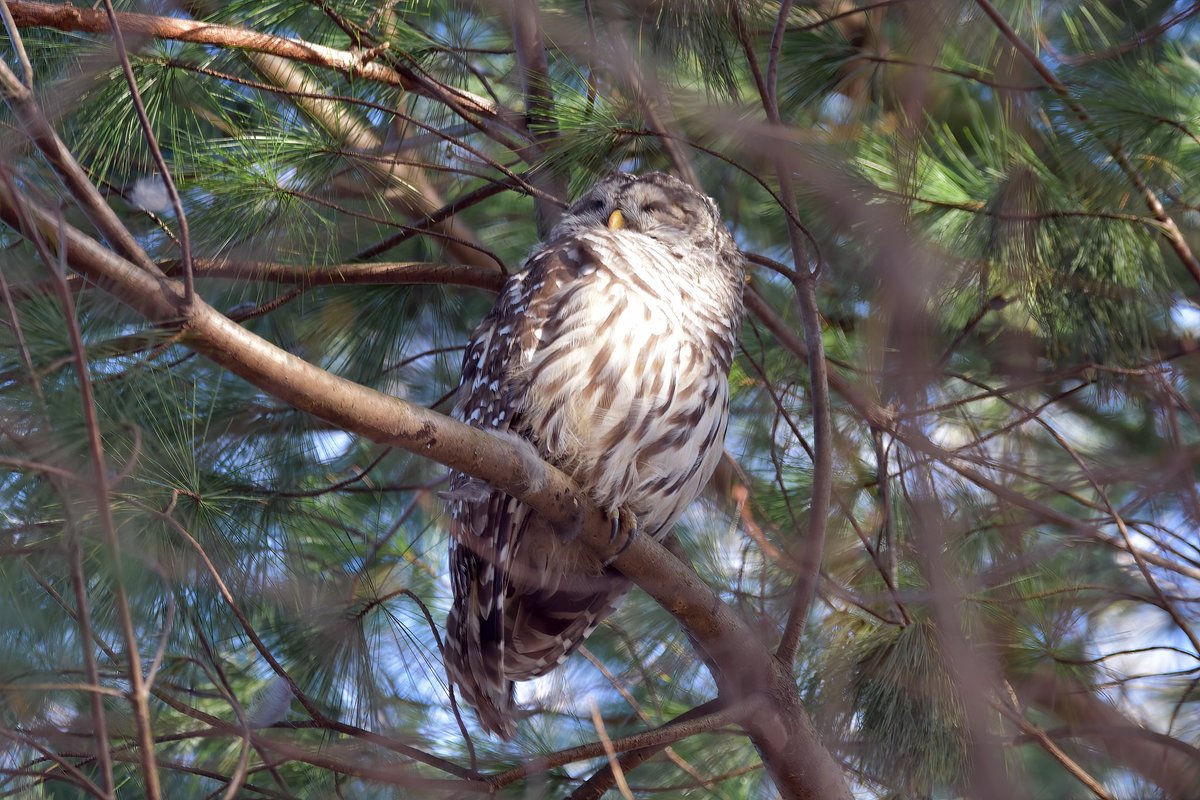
[(610, 354)]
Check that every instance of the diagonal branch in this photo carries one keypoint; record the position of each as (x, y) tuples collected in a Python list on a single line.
[(67, 17), (403, 184), (742, 664), (1167, 762), (164, 173), (602, 780), (703, 718), (40, 132)]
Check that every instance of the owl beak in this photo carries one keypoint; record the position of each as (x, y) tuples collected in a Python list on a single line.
[(616, 220)]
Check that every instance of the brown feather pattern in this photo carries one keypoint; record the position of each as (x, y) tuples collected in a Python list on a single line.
[(610, 354)]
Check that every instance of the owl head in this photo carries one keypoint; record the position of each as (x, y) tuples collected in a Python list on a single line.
[(656, 205)]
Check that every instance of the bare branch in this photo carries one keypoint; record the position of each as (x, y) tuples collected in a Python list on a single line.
[(185, 236), (610, 753), (1055, 752), (1167, 762), (138, 688), (10, 25), (800, 764), (67, 17)]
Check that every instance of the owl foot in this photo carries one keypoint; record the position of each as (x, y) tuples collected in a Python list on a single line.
[(621, 521)]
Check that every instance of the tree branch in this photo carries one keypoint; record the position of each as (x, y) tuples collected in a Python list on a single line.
[(403, 272), (402, 184), (600, 782), (701, 719), (743, 666), (1167, 226), (1167, 762), (67, 17), (139, 691), (164, 172), (532, 64)]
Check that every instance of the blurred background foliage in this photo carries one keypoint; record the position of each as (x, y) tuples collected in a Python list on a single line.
[(991, 279)]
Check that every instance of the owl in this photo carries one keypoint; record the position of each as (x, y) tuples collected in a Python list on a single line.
[(609, 355)]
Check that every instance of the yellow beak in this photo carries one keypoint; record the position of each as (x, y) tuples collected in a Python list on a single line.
[(616, 220)]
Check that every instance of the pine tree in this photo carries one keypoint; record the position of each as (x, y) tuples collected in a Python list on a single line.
[(952, 550)]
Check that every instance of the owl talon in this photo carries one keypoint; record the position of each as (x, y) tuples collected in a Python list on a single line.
[(621, 520), (633, 534)]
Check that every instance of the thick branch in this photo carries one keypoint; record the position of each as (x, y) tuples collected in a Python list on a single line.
[(743, 666)]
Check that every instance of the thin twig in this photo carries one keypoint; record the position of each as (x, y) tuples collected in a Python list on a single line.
[(804, 282), (437, 637), (1166, 604), (1170, 230), (771, 98), (849, 13), (68, 768), (1057, 753), (185, 237), (163, 638), (1144, 37), (239, 775), (601, 781), (74, 18), (14, 36), (676, 759), (709, 717), (74, 551), (534, 73), (41, 133), (609, 752), (796, 568), (311, 707), (138, 690)]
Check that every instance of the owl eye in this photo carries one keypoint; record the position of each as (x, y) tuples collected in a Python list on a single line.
[(654, 208), (592, 207)]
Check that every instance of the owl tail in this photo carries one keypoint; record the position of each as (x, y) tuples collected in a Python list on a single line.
[(474, 663), (524, 636)]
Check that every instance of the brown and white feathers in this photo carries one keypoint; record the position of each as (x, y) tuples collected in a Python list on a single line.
[(610, 355)]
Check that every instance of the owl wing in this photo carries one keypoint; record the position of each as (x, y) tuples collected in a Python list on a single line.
[(488, 525)]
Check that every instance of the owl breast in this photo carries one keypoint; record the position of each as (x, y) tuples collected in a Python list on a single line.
[(626, 380)]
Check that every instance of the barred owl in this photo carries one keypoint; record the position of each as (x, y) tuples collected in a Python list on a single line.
[(610, 355)]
